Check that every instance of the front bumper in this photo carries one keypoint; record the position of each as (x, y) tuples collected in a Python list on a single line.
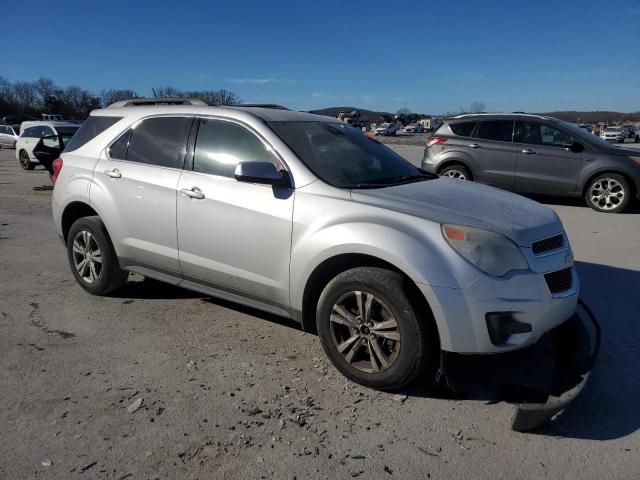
[(577, 344), (461, 314), (540, 380)]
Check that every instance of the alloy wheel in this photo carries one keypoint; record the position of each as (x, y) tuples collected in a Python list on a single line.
[(606, 193), (365, 332), (453, 173), (24, 160), (87, 257)]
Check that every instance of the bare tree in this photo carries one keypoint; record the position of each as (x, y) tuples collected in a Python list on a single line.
[(168, 92), (403, 111), (113, 95), (477, 107)]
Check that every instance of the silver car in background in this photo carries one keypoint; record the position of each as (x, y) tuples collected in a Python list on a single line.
[(535, 154), (308, 218), (8, 136)]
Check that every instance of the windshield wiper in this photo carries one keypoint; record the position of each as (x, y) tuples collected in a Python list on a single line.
[(417, 177)]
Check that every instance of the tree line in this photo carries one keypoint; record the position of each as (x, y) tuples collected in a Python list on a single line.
[(73, 102)]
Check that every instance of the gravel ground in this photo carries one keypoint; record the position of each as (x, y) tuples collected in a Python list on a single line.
[(402, 138), (159, 382)]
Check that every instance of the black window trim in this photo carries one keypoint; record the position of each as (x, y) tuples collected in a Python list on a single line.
[(478, 122), (189, 161), (127, 131)]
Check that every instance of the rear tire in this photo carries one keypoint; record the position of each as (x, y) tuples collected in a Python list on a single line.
[(92, 257), (371, 331), (609, 193), (456, 171), (25, 161)]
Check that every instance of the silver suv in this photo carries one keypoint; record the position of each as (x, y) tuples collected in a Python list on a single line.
[(306, 217), (535, 154)]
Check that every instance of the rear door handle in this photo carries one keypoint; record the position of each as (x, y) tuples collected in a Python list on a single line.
[(193, 192), (115, 173), (474, 145), (528, 151)]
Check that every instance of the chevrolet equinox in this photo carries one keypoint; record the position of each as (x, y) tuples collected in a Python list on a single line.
[(306, 217)]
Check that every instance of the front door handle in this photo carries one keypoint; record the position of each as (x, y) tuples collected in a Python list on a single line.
[(474, 145), (528, 151), (193, 192), (115, 173)]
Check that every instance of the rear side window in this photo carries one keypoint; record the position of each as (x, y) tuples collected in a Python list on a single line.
[(154, 141), (498, 130), (220, 146), (31, 132), (462, 129), (91, 128)]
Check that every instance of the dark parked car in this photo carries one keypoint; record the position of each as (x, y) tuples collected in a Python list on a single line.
[(535, 154)]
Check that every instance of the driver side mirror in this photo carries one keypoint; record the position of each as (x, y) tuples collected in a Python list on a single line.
[(575, 147), (264, 173)]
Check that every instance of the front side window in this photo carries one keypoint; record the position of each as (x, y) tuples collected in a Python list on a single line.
[(46, 132), (344, 157), (154, 141), (535, 133), (220, 146), (498, 130)]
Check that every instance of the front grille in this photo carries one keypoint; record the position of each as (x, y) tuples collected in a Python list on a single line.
[(559, 281), (547, 244)]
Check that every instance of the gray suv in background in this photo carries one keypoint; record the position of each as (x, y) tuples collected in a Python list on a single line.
[(535, 154)]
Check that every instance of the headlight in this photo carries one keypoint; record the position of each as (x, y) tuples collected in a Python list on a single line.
[(490, 252)]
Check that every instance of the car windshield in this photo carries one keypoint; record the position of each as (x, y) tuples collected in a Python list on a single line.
[(344, 157)]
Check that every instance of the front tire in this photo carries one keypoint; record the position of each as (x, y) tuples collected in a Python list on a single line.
[(371, 331), (609, 192), (457, 171), (25, 161), (92, 257)]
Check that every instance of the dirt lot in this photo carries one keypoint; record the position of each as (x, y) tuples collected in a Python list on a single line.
[(227, 392)]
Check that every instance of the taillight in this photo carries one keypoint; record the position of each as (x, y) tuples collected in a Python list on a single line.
[(56, 166), (435, 140)]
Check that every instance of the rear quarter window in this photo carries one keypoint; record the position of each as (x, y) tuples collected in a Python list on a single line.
[(91, 128), (462, 129)]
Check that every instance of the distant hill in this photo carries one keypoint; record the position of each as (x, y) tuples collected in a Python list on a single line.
[(365, 115), (574, 116), (596, 116)]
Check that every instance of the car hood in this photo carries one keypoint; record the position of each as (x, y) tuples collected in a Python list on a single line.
[(460, 202)]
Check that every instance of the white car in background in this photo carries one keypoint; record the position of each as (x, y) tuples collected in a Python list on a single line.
[(414, 128), (32, 132), (614, 134), (8, 136), (387, 129)]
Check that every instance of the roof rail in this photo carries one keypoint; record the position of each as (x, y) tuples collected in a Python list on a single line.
[(138, 102), (261, 105)]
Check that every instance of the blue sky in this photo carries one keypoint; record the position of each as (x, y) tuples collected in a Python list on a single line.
[(432, 56)]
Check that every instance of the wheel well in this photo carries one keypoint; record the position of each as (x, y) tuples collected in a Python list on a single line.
[(333, 266), (73, 212), (449, 163), (631, 183)]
